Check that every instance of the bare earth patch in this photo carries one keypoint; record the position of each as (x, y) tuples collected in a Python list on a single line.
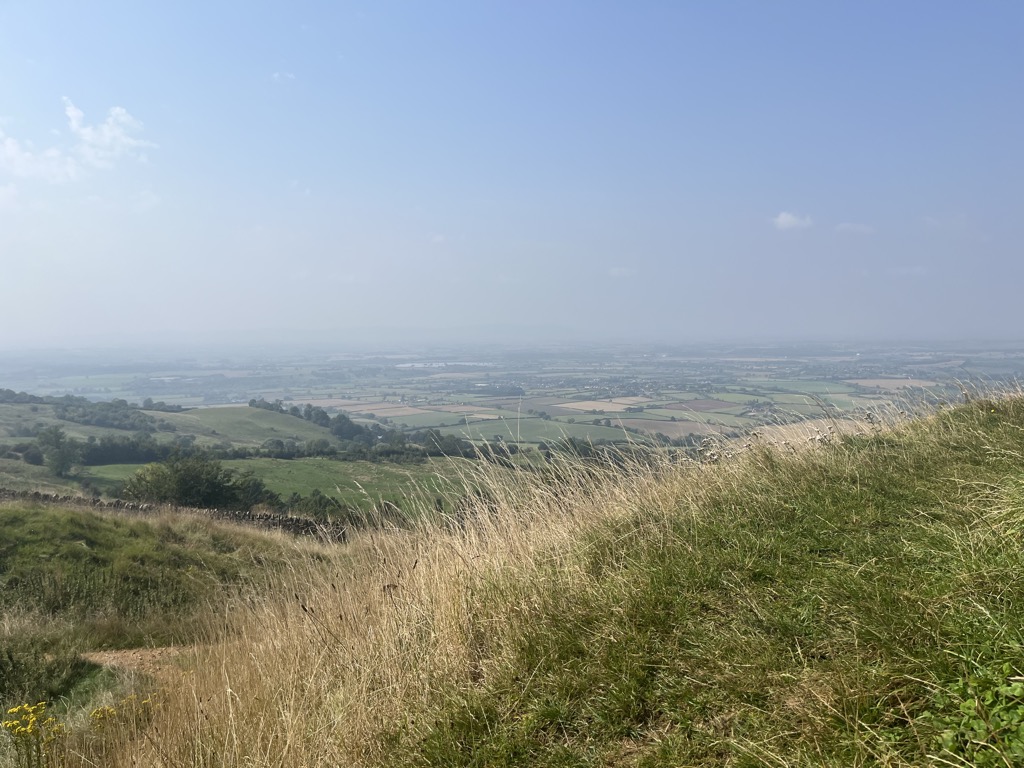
[(155, 662)]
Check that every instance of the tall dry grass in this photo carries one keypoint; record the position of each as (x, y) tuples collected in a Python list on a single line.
[(359, 644)]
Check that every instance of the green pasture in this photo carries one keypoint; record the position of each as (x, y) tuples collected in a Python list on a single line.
[(424, 420), (237, 425), (692, 415), (649, 414), (745, 397), (359, 483), (19, 476), (18, 417), (666, 414), (109, 478), (535, 430), (245, 426), (715, 417), (810, 386), (678, 395)]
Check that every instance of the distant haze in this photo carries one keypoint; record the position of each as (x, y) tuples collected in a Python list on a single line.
[(657, 171)]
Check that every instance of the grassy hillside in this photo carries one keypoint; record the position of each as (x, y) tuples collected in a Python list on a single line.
[(19, 476), (245, 426), (76, 580), (240, 426), (825, 600)]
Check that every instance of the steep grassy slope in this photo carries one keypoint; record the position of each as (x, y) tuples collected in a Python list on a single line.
[(73, 580), (862, 603), (858, 602)]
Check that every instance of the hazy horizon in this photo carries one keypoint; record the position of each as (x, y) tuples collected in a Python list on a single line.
[(468, 173)]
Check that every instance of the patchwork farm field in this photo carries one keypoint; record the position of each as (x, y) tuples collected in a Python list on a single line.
[(515, 397)]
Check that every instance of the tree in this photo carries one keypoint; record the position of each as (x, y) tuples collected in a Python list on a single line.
[(60, 453), (253, 492), (195, 481), (60, 460), (50, 438), (32, 455)]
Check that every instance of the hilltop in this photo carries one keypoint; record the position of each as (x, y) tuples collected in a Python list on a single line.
[(849, 596)]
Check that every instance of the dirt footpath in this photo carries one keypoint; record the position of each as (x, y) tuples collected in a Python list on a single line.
[(155, 662)]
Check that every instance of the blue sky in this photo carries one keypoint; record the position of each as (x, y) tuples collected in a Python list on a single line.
[(644, 170)]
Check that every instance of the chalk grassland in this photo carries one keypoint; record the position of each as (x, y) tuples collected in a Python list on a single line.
[(854, 603)]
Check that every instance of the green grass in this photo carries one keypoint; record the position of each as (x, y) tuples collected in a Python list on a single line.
[(357, 483), (242, 426), (245, 426), (534, 430), (16, 417), (799, 386), (109, 478), (690, 415), (73, 580), (861, 604), (19, 476), (424, 420), (89, 565)]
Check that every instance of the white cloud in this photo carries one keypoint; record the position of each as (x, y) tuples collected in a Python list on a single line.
[(97, 146), (23, 161), (282, 77), (855, 229), (787, 220)]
